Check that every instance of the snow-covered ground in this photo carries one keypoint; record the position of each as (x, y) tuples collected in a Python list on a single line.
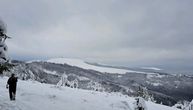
[(82, 64), (152, 68), (32, 95)]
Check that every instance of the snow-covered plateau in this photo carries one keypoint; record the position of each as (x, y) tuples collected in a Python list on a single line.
[(32, 95), (82, 64)]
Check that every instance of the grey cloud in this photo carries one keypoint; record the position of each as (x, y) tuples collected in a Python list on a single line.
[(123, 32)]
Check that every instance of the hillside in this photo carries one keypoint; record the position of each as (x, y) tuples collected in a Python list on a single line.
[(32, 95), (165, 88)]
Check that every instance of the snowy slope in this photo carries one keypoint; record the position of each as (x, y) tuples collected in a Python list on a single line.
[(82, 64), (152, 68), (32, 95)]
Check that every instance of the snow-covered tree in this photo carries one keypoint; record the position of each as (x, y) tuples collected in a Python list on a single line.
[(73, 84), (4, 60), (65, 82), (62, 81), (139, 104), (190, 106), (179, 106), (183, 104), (95, 86), (143, 92)]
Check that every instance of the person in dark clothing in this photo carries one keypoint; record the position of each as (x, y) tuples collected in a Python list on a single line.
[(12, 84)]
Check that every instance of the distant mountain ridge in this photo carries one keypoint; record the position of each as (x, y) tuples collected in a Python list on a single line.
[(137, 69), (87, 65)]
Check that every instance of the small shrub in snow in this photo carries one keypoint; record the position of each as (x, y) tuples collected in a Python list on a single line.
[(190, 106), (182, 105), (139, 104)]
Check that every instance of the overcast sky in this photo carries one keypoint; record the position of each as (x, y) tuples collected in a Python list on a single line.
[(117, 32)]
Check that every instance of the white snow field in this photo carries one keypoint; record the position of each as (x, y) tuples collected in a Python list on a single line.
[(32, 95), (82, 64), (152, 68)]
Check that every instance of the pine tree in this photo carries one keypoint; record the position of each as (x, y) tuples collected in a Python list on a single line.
[(4, 60), (5, 67), (143, 92)]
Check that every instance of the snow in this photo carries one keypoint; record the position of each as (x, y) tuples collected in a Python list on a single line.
[(3, 50), (154, 83), (33, 61), (152, 68), (140, 102), (190, 106), (155, 75), (81, 78), (32, 95), (82, 64), (50, 72)]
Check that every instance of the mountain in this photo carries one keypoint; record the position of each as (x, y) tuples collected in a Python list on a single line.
[(32, 95), (165, 88), (134, 69), (87, 65)]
